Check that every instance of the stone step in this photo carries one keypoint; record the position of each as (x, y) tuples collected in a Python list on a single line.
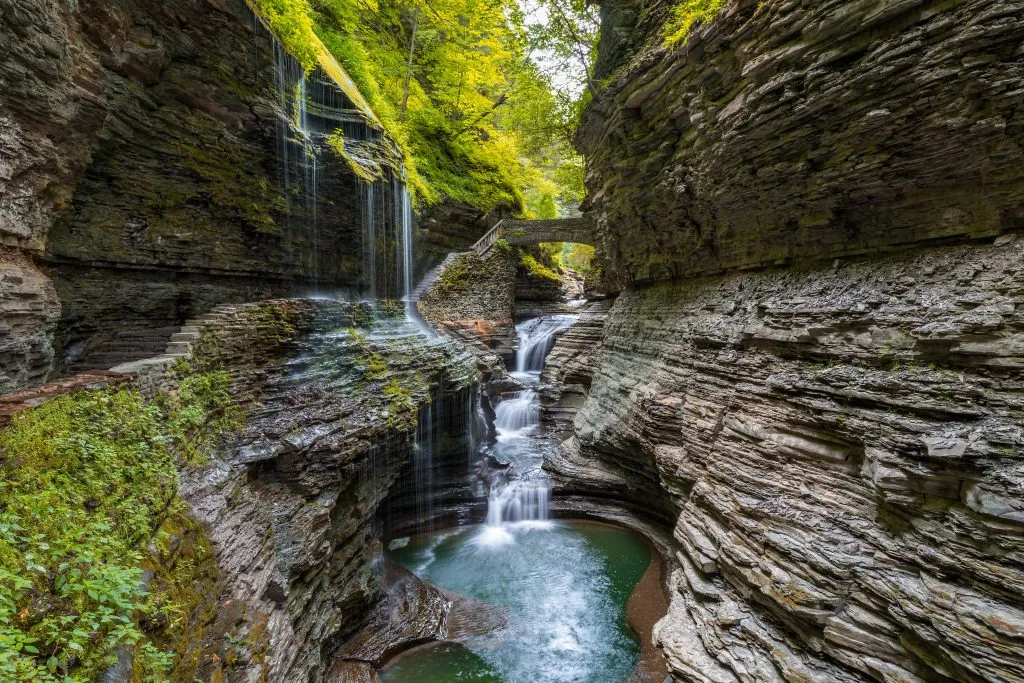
[(177, 348), (185, 337)]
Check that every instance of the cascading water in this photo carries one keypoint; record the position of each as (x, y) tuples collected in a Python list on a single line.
[(517, 417), (535, 339), (520, 495), (368, 196)]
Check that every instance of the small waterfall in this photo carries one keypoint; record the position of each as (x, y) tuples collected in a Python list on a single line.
[(423, 469), (517, 417), (475, 426), (368, 191), (520, 501), (536, 337), (308, 164), (523, 500), (292, 86), (405, 207)]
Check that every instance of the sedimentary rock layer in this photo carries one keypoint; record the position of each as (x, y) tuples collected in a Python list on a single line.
[(787, 130), (156, 160), (841, 446), (473, 299), (293, 503)]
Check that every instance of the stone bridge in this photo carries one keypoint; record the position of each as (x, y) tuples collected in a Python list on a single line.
[(524, 232)]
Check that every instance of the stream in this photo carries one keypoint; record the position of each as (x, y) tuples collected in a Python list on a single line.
[(562, 586)]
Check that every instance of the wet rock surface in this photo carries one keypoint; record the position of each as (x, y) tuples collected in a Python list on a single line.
[(569, 367), (838, 449), (154, 162), (294, 506)]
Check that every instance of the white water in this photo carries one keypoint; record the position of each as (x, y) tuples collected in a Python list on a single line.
[(518, 417), (519, 497), (536, 337)]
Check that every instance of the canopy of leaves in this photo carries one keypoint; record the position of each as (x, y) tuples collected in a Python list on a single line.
[(455, 83)]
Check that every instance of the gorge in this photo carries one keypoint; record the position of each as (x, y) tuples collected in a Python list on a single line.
[(319, 363)]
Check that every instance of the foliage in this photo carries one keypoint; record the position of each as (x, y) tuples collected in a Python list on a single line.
[(686, 15), (290, 20), (475, 116), (537, 269), (85, 480), (570, 256)]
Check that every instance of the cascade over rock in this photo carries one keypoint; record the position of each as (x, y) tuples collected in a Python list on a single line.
[(157, 159)]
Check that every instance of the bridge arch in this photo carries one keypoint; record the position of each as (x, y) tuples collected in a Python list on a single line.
[(524, 232)]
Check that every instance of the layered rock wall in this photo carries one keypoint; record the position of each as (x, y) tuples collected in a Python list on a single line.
[(159, 158), (297, 504), (473, 299), (788, 130), (841, 445), (837, 444)]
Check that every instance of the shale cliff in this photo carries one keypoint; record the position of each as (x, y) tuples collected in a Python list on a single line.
[(790, 130), (835, 440), (157, 159)]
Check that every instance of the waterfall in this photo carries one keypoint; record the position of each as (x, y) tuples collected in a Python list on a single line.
[(535, 339), (517, 417), (367, 193), (517, 502), (423, 469), (404, 210), (292, 85)]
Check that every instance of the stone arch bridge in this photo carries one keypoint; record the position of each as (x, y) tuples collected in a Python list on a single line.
[(524, 232)]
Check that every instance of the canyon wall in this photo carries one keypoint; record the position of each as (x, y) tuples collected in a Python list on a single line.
[(339, 418), (157, 159), (789, 130), (827, 416)]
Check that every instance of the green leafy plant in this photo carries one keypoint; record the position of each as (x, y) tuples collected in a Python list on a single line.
[(84, 481), (687, 14), (537, 269)]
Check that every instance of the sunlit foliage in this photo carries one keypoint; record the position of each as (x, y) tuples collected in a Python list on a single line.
[(454, 82), (688, 14)]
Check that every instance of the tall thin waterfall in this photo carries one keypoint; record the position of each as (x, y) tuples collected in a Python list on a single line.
[(403, 203), (295, 132), (423, 469), (368, 192)]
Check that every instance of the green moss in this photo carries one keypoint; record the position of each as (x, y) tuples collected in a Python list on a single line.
[(85, 481), (228, 176), (361, 169), (455, 278), (688, 14), (374, 367), (537, 269), (402, 411)]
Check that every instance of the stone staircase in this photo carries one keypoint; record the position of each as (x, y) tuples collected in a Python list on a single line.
[(179, 343), (431, 277)]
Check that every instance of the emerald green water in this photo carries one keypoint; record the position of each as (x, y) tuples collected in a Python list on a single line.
[(564, 585)]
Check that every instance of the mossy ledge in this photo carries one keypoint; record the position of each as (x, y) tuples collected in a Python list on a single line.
[(116, 554)]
